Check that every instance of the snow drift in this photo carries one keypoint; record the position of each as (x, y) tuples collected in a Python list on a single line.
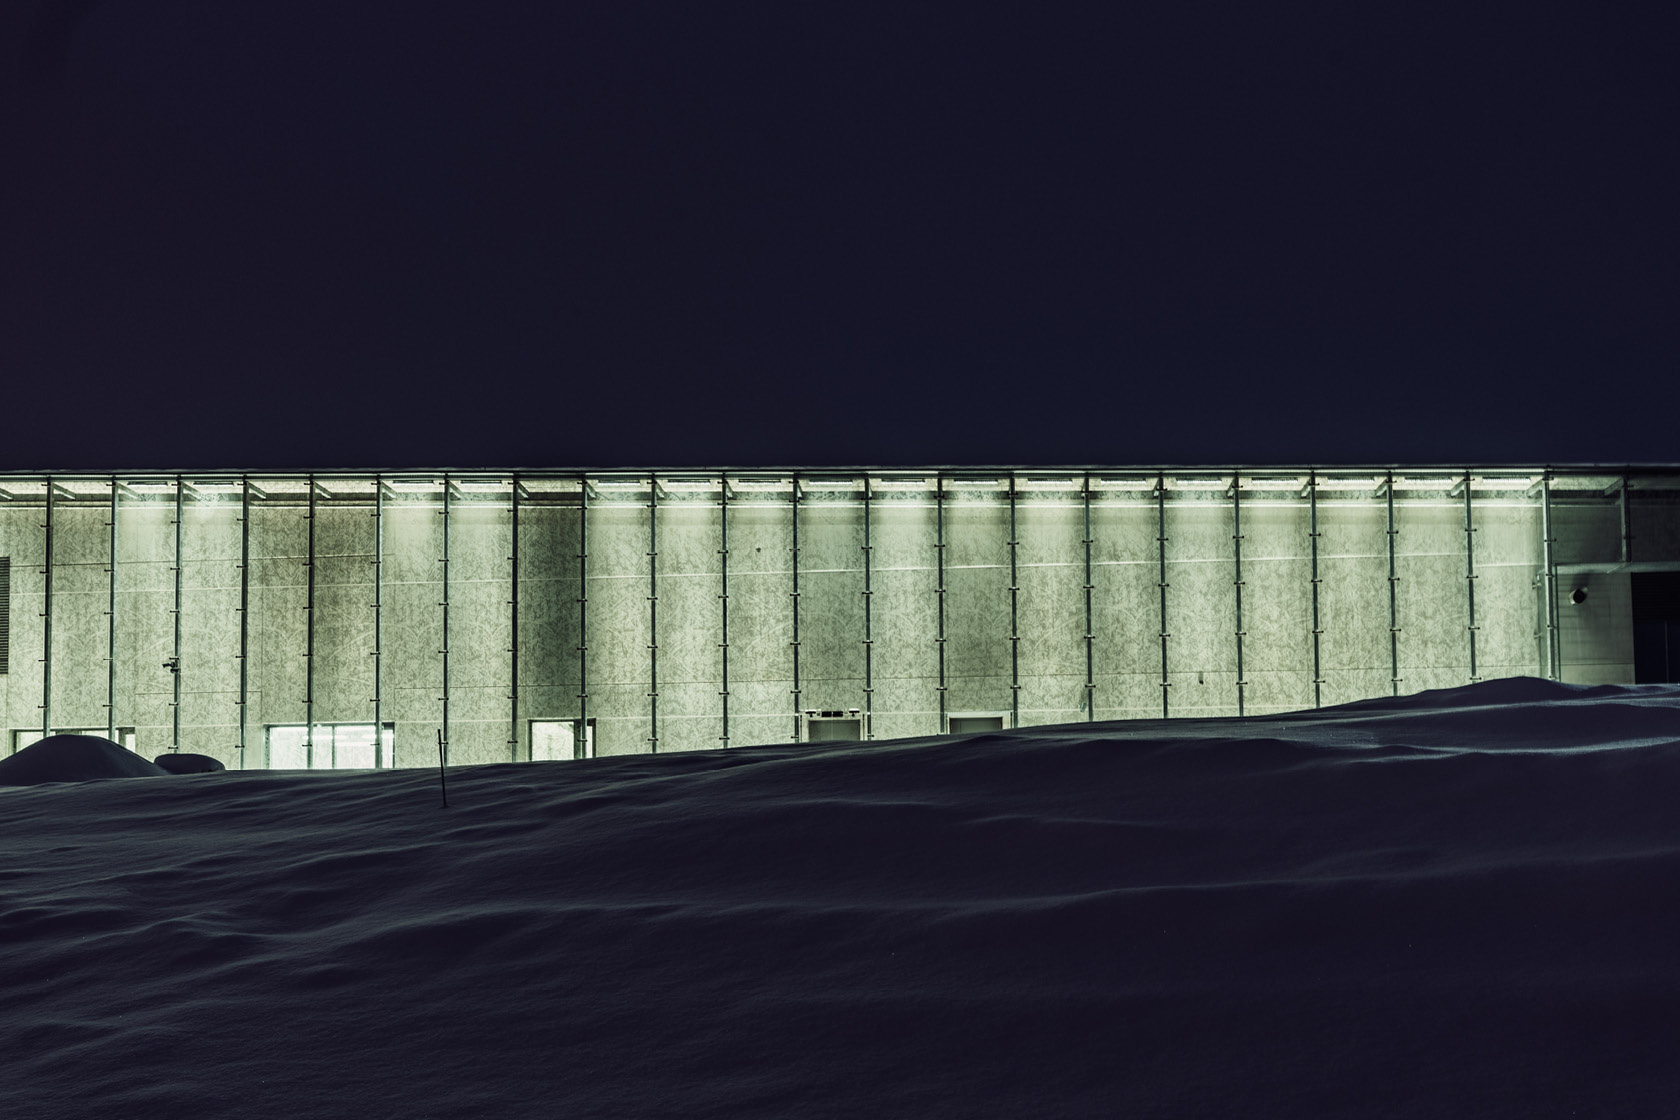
[(1457, 903), (73, 758)]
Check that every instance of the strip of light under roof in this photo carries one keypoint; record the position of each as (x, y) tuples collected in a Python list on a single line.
[(1349, 485), (1279, 484)]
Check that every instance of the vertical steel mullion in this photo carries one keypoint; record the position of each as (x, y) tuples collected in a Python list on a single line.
[(868, 618), (1237, 579), (1317, 627), (111, 626), (1627, 523), (1090, 633), (939, 593), (513, 621), (1161, 582), (723, 601), (309, 635), (1554, 670), (793, 552), (1470, 576), (1014, 617), (444, 652), (379, 759), (244, 616), (175, 705), (1393, 580), (46, 615), (580, 743), (653, 614)]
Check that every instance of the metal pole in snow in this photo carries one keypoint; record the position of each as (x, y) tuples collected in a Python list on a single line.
[(442, 785)]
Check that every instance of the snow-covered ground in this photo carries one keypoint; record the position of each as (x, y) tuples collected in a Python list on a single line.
[(1462, 903)]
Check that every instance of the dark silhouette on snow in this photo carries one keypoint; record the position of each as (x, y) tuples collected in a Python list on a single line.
[(73, 758), (180, 762)]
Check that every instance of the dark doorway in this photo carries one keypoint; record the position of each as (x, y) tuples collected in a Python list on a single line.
[(1656, 627)]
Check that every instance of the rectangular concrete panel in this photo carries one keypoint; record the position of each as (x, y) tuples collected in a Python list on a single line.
[(550, 593), (23, 540), (1354, 605), (904, 611), (1432, 594), (1510, 562), (831, 601), (278, 598), (620, 617), (210, 581), (145, 603), (979, 673), (761, 620), (411, 663), (1201, 598), (343, 614), (1126, 578), (1050, 571), (690, 616), (480, 622), (1277, 602)]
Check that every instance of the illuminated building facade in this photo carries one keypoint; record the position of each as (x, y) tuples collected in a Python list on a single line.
[(347, 619)]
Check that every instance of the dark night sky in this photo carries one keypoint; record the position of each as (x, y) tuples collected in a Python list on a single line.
[(354, 233)]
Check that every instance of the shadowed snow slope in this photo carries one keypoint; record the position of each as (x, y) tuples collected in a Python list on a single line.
[(1462, 903), (73, 758)]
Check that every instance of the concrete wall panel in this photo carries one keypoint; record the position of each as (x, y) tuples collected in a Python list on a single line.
[(1509, 561), (1432, 596), (23, 540), (831, 601), (81, 593), (412, 628), (690, 621), (1126, 607), (480, 628), (619, 621), (550, 586), (1596, 635), (1050, 558), (277, 677), (145, 630), (1201, 607), (1277, 604), (343, 616), (905, 620), (1355, 657), (978, 663), (761, 701), (210, 577)]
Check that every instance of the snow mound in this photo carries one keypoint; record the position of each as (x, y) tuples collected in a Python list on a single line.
[(180, 762), (73, 758)]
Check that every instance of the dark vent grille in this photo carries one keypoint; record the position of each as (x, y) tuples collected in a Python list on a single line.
[(5, 612), (1656, 597)]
